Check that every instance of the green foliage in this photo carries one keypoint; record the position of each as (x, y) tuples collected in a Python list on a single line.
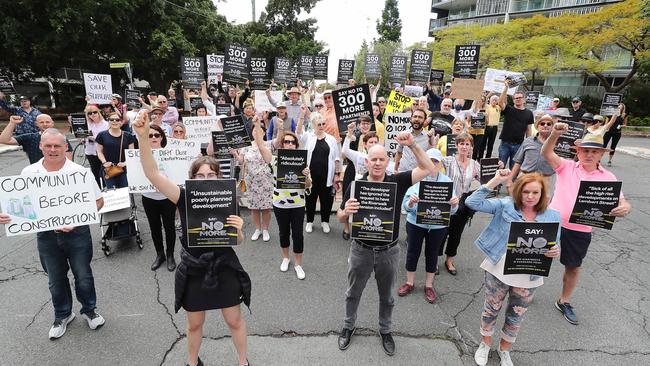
[(360, 62), (637, 99), (390, 25), (385, 49), (639, 121)]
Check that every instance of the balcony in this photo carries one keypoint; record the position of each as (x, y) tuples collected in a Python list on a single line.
[(435, 24), (537, 5)]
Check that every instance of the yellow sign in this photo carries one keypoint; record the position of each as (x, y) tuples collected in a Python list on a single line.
[(397, 102), (119, 65)]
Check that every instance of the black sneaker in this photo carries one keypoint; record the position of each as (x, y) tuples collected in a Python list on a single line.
[(345, 338), (387, 343), (567, 310)]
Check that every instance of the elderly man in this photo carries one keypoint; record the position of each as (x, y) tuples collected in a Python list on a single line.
[(405, 158), (575, 238), (170, 114), (293, 105), (30, 142), (367, 256), (66, 248), (528, 158), (26, 111), (517, 122)]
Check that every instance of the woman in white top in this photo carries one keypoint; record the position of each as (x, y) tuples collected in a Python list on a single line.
[(96, 124)]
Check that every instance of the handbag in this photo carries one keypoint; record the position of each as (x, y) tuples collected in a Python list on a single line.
[(115, 170)]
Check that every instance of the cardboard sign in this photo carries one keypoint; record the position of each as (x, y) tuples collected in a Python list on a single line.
[(282, 70), (346, 71), (236, 64), (374, 220), (568, 139), (436, 77), (414, 91), (306, 67), (397, 69), (594, 202), (115, 199), (320, 67), (214, 65), (48, 201), (199, 128), (172, 162), (397, 102), (433, 207), (351, 103), (98, 88), (451, 145), (224, 109), (208, 203), (260, 75), (291, 163), (495, 78), (466, 61), (527, 243), (262, 102), (236, 132), (609, 107), (372, 67), (394, 124), (79, 125), (471, 89), (532, 98), (6, 86), (420, 69), (192, 72), (220, 145), (489, 167)]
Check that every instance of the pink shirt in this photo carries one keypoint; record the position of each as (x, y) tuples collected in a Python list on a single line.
[(569, 175), (171, 116)]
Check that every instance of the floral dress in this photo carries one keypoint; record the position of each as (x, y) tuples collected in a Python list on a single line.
[(259, 179)]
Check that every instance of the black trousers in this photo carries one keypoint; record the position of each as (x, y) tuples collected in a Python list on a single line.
[(96, 168), (615, 137), (290, 222), (433, 238), (456, 226), (157, 210), (320, 191), (488, 141), (479, 141)]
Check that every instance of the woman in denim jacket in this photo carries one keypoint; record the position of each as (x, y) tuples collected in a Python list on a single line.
[(529, 202)]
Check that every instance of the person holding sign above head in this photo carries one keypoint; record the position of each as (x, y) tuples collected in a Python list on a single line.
[(110, 151), (206, 278), (613, 134), (66, 248), (30, 142), (528, 203), (232, 96), (96, 124), (367, 256), (517, 122), (576, 238)]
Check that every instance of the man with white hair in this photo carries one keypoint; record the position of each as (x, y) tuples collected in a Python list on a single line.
[(30, 142)]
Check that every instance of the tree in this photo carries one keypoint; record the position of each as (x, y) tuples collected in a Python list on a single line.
[(360, 62), (390, 25), (385, 49)]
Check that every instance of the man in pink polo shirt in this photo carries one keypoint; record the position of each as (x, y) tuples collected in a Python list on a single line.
[(574, 238)]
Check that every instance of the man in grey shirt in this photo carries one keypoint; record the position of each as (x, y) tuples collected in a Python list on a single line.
[(528, 158), (405, 159)]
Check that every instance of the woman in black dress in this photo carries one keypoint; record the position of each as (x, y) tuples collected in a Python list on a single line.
[(206, 278)]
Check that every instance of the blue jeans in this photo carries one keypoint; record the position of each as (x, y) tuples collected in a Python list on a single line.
[(507, 152), (60, 252)]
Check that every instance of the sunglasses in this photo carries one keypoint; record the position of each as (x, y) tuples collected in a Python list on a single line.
[(162, 102), (546, 123), (114, 120), (575, 101), (290, 142), (321, 124), (319, 106), (91, 113), (156, 135)]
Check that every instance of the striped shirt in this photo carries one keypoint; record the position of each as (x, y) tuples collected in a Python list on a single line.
[(461, 177)]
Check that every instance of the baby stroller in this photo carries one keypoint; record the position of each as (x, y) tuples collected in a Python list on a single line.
[(119, 224)]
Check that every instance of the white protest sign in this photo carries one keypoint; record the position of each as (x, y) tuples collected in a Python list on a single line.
[(199, 128), (98, 88), (115, 199), (174, 163), (48, 201), (215, 66), (494, 79), (544, 102), (262, 103), (413, 90), (193, 147), (394, 124)]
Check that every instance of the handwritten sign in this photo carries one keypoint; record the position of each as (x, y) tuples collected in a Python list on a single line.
[(98, 88)]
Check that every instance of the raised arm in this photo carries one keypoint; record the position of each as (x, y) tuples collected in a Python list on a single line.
[(7, 135), (503, 98), (258, 135), (425, 165), (547, 149)]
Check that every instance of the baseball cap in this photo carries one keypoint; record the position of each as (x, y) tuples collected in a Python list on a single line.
[(576, 99), (281, 105), (557, 100), (23, 97), (434, 154)]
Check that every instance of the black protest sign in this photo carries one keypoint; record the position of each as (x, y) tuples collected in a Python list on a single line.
[(351, 103), (397, 69), (466, 61), (6, 86), (477, 121), (192, 72), (208, 203), (372, 67), (320, 67), (434, 207), (451, 145), (171, 102), (236, 132), (527, 243), (346, 71), (260, 73), (436, 76), (236, 64), (375, 218), (195, 102), (223, 109), (291, 163), (532, 98), (79, 125), (516, 80), (420, 69), (306, 67), (220, 145), (594, 202), (132, 98), (489, 167), (609, 107), (282, 70), (293, 72), (567, 140)]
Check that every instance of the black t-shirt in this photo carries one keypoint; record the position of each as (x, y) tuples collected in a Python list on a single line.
[(515, 124), (318, 166), (576, 115), (404, 182), (445, 117), (111, 145)]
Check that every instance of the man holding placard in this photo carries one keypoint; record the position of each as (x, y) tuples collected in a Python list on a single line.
[(382, 257), (576, 238), (66, 247)]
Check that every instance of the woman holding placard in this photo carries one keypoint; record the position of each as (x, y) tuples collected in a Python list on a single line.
[(96, 124), (206, 278), (528, 203), (110, 151), (613, 134)]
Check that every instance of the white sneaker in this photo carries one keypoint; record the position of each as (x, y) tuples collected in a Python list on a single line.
[(481, 355), (94, 320), (309, 227), (59, 326), (285, 264), (505, 358), (326, 227), (265, 235), (299, 272), (256, 235)]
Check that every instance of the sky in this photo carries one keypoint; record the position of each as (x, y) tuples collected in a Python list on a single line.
[(344, 24)]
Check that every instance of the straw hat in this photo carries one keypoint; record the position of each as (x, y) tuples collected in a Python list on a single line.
[(592, 141)]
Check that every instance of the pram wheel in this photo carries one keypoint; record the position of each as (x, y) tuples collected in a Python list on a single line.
[(105, 248), (138, 240)]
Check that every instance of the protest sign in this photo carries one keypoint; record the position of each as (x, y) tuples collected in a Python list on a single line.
[(494, 80), (436, 77), (195, 102), (451, 145), (236, 132), (372, 67), (236, 64), (220, 145), (306, 67), (320, 67), (291, 163), (115, 199), (466, 61), (282, 70), (532, 98), (214, 65), (477, 121), (394, 124), (414, 91), (594, 202), (199, 128), (224, 109), (609, 107), (420, 69), (293, 71), (262, 102), (397, 69), (544, 102), (351, 103), (208, 203), (79, 125), (345, 72), (489, 167), (434, 207), (471, 89), (172, 162), (193, 147), (6, 86), (568, 139), (374, 220), (192, 72), (48, 201), (98, 88), (397, 102), (131, 96), (260, 74), (527, 243)]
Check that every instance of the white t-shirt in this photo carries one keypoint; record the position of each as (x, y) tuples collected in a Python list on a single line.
[(69, 166), (514, 280)]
